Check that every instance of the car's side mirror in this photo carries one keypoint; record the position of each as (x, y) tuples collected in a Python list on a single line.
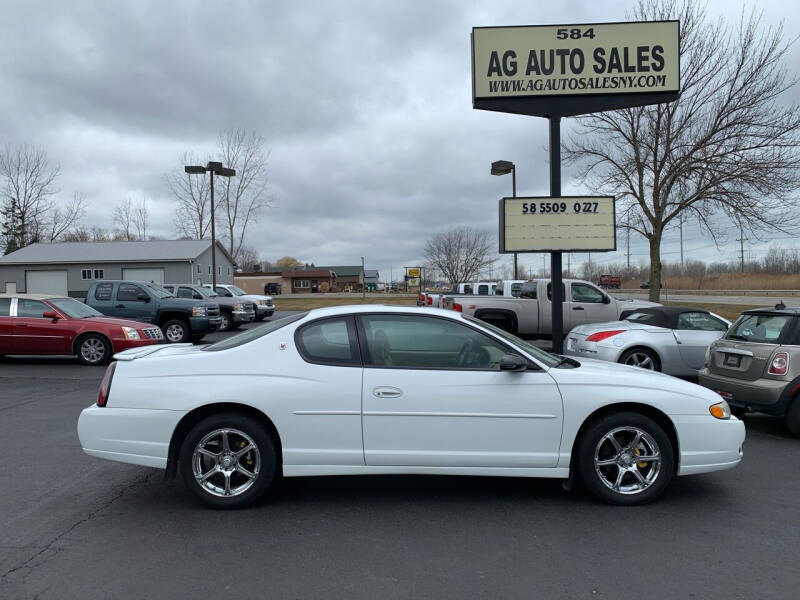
[(50, 314), (143, 298), (606, 299), (512, 362)]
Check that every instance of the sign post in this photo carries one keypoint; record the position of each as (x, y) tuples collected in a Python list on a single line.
[(556, 71)]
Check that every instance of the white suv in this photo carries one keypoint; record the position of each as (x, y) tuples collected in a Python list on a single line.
[(264, 306)]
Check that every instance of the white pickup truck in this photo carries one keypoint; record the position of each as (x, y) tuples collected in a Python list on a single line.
[(531, 313), (480, 288)]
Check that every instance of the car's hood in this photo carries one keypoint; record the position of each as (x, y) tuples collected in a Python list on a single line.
[(586, 330), (188, 302), (115, 321), (256, 297), (602, 373)]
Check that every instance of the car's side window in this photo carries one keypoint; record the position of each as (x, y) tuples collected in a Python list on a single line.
[(550, 292), (422, 342), (700, 321), (128, 292), (31, 308), (103, 291), (329, 342), (586, 293), (5, 307), (483, 290), (185, 292)]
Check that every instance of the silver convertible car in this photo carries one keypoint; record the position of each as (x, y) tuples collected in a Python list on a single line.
[(669, 339)]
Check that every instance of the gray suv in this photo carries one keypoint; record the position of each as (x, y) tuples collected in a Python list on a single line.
[(756, 365), (232, 311)]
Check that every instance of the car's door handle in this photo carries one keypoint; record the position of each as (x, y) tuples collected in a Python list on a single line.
[(387, 392), (577, 308)]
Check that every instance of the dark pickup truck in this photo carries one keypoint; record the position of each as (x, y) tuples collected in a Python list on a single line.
[(180, 319)]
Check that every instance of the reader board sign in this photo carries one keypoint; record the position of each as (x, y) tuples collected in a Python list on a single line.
[(563, 224), (600, 58), (413, 272)]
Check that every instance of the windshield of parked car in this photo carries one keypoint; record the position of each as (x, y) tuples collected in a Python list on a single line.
[(204, 291), (758, 328), (253, 334), (551, 360), (74, 309), (159, 291), (236, 291)]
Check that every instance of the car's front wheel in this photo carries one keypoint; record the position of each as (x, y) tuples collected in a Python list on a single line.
[(176, 331), (228, 460), (625, 458), (93, 350)]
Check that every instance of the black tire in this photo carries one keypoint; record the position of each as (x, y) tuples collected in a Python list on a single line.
[(629, 357), (594, 443), (260, 318), (263, 462), (226, 321), (793, 417), (171, 329), (93, 350)]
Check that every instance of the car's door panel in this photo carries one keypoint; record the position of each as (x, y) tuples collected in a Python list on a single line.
[(454, 416), (694, 334), (34, 334), (6, 325)]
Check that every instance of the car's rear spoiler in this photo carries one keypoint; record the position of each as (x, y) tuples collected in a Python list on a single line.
[(135, 353)]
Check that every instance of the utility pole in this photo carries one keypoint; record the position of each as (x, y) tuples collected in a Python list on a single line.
[(569, 256), (363, 280), (628, 245), (741, 239), (680, 224), (589, 274)]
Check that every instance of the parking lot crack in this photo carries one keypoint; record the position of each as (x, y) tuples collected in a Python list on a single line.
[(42, 551)]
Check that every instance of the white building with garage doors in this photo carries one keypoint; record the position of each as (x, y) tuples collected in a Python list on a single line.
[(70, 267)]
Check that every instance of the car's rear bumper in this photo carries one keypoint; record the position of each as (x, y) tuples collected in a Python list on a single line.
[(129, 435), (763, 395), (708, 444)]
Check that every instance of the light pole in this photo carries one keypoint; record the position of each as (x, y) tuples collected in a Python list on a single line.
[(213, 168), (504, 167), (363, 280)]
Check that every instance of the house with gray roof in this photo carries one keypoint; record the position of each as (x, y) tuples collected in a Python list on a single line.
[(69, 268)]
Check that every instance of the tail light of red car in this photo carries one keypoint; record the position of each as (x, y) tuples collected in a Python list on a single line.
[(779, 364), (602, 335), (430, 301), (105, 384), (457, 307)]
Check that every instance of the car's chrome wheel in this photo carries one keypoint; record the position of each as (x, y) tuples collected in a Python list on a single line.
[(175, 331), (226, 462), (93, 350), (640, 358), (627, 460)]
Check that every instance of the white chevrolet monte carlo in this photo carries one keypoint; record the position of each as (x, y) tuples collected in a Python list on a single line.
[(388, 389)]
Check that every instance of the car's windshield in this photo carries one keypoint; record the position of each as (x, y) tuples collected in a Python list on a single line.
[(159, 291), (255, 333), (205, 291), (758, 328), (549, 359), (236, 291), (74, 309)]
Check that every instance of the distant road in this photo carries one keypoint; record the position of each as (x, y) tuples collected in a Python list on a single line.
[(708, 299)]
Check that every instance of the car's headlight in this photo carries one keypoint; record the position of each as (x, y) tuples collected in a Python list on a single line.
[(198, 311), (238, 307), (262, 302), (130, 333), (720, 410)]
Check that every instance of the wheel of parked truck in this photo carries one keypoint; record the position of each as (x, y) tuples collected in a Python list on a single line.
[(625, 458), (260, 317), (176, 331), (228, 460), (642, 358), (793, 417), (225, 320), (93, 349)]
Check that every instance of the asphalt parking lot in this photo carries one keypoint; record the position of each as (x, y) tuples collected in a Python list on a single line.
[(72, 526)]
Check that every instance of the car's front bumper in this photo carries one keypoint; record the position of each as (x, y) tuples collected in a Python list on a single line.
[(707, 444), (204, 324), (762, 395), (129, 435), (120, 344), (265, 310), (241, 316)]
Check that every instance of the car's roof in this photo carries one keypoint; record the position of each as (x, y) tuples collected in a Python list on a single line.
[(792, 311), (382, 308), (663, 316), (34, 296)]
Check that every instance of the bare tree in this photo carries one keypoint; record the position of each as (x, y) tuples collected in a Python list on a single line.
[(141, 218), (248, 259), (727, 145), (27, 185), (244, 196), (123, 219), (461, 253), (191, 192), (61, 220)]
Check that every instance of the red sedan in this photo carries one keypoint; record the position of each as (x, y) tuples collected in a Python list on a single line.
[(43, 324)]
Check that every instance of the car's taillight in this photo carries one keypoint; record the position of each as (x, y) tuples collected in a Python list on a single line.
[(779, 364), (430, 301), (422, 297), (457, 307), (105, 384), (602, 335)]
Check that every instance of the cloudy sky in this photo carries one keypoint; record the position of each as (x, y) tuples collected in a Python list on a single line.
[(366, 107)]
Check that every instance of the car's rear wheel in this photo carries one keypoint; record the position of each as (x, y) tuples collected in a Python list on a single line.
[(228, 460), (176, 331), (793, 417), (625, 458), (642, 358), (93, 349)]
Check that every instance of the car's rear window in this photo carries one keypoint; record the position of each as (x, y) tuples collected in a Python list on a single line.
[(758, 328), (253, 334)]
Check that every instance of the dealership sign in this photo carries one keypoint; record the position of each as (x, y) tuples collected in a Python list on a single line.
[(619, 64), (563, 224)]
